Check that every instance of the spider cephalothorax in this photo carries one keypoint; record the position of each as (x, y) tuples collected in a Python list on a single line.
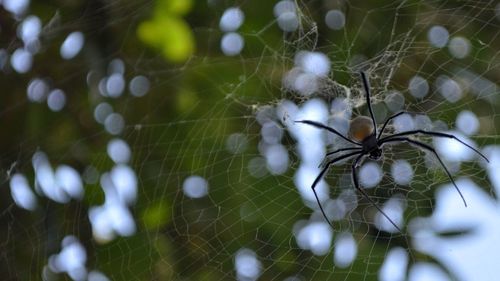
[(363, 134), (370, 146)]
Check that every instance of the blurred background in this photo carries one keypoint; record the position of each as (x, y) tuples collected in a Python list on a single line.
[(155, 140)]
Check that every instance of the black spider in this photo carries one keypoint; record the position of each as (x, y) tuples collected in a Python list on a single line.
[(363, 134)]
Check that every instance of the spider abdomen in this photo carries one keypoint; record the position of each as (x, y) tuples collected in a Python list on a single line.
[(360, 128)]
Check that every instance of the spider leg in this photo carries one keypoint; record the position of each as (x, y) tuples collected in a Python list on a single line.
[(342, 149), (363, 192), (435, 134), (332, 130), (387, 122), (318, 178), (431, 149), (366, 85), (337, 151)]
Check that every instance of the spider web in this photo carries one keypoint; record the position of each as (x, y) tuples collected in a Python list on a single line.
[(223, 173)]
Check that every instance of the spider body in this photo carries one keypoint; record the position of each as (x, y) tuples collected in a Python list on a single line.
[(363, 135), (360, 128), (371, 147)]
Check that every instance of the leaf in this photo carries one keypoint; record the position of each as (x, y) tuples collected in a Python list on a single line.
[(173, 7), (156, 215), (170, 34)]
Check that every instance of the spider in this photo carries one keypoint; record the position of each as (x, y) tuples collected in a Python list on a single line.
[(363, 134)]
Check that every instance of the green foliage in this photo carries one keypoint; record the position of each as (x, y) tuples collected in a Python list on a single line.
[(168, 32), (156, 215), (199, 98)]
